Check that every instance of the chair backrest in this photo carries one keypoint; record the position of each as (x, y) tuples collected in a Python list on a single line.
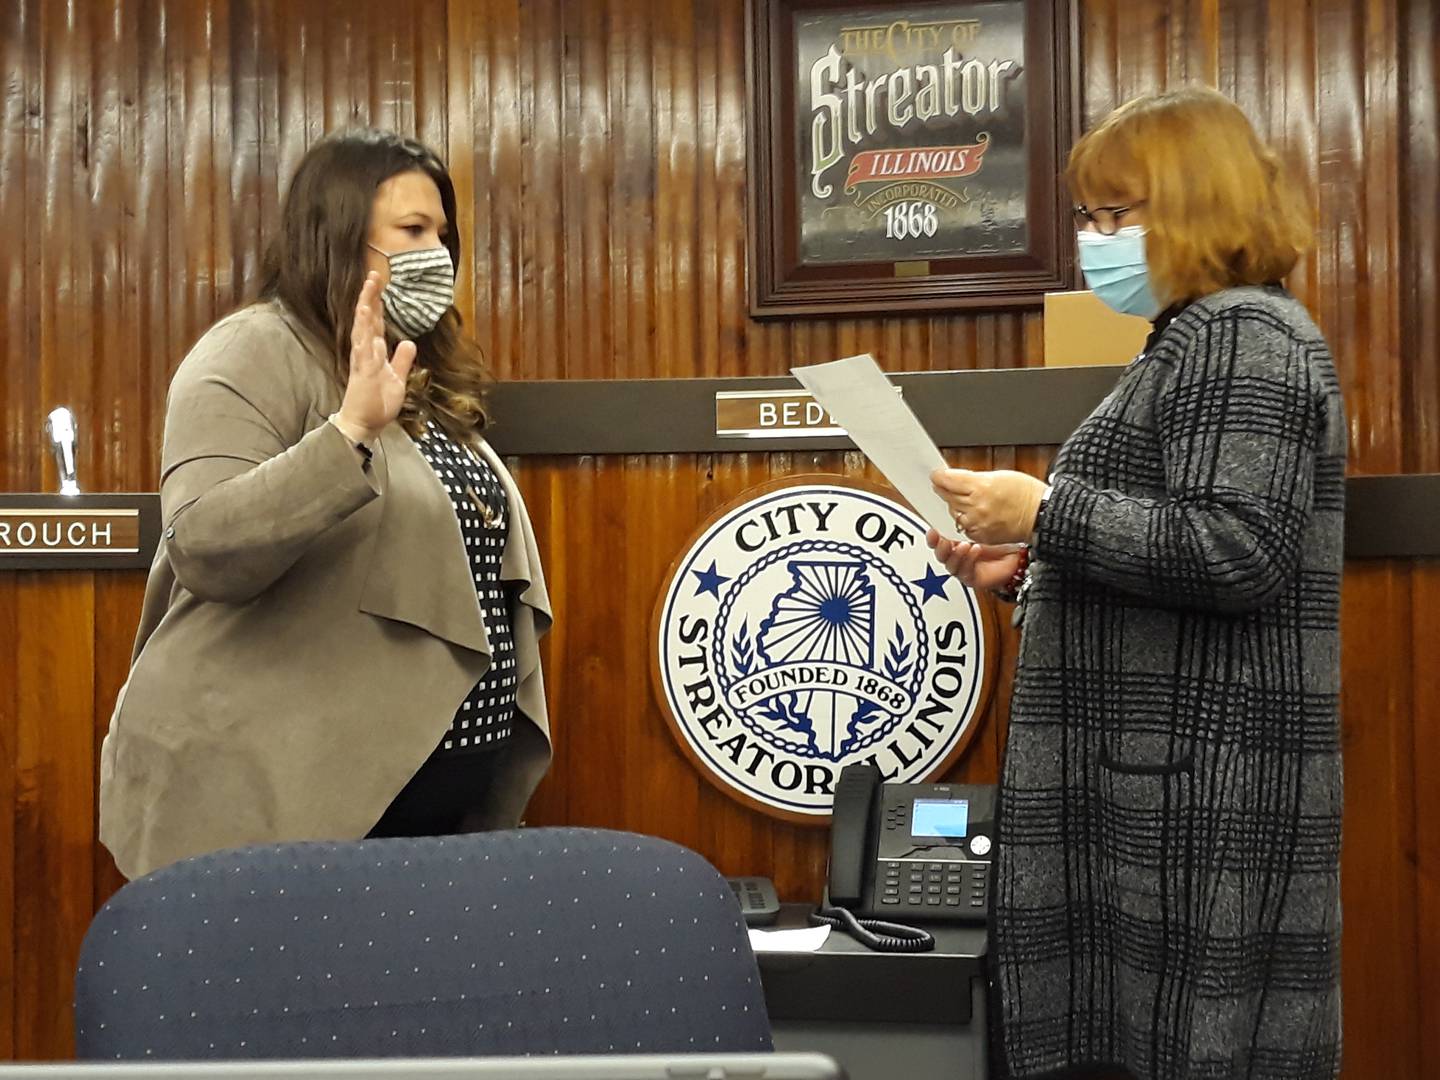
[(529, 941)]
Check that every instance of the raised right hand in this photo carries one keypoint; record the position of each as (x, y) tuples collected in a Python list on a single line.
[(980, 566), (375, 390)]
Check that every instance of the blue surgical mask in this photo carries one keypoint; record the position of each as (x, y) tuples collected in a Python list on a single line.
[(1115, 269)]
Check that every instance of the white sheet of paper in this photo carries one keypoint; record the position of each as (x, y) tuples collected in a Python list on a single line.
[(863, 401), (802, 939)]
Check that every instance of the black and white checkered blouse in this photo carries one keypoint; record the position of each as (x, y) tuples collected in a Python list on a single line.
[(486, 718)]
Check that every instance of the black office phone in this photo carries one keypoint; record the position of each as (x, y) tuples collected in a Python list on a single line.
[(911, 852), (759, 904)]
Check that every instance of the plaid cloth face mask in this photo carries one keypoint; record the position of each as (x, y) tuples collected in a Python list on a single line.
[(420, 291)]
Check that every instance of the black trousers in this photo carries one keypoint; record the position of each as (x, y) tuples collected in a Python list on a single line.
[(442, 792)]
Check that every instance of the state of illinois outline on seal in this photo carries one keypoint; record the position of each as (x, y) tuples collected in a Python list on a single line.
[(807, 626)]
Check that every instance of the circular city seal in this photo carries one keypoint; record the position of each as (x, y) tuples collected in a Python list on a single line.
[(808, 627)]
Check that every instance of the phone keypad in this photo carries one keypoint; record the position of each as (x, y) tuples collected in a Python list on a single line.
[(941, 885)]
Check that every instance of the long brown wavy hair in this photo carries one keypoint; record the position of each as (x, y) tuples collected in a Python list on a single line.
[(315, 266)]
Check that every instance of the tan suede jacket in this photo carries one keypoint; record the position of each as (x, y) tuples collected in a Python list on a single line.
[(309, 626)]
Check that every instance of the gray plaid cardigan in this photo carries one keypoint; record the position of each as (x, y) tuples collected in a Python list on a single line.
[(1168, 877)]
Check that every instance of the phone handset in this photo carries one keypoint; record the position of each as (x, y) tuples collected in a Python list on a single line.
[(852, 834)]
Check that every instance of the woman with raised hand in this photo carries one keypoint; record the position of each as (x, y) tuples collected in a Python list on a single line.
[(340, 629)]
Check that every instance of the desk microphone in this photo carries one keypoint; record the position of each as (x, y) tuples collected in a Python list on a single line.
[(60, 427)]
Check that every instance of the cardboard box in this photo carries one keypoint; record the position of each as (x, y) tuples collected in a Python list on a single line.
[(1081, 330)]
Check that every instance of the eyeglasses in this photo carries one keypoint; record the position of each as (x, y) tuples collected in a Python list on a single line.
[(1106, 219)]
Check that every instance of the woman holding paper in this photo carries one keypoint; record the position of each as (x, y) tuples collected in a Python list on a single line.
[(1168, 885)]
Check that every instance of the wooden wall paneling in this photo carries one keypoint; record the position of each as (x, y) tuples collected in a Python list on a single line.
[(461, 153), (1122, 54), (671, 106), (63, 242), (1359, 236), (1425, 709), (254, 186), (485, 124), (704, 269), (113, 366), (54, 802), (585, 189), (1420, 210), (149, 341), (1285, 108), (659, 792), (1380, 959), (283, 96), (633, 236), (197, 116), (20, 195), (118, 597), (1420, 285), (10, 885), (729, 285), (549, 493), (544, 213), (1195, 41), (599, 717)]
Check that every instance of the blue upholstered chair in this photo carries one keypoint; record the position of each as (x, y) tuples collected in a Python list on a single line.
[(526, 942)]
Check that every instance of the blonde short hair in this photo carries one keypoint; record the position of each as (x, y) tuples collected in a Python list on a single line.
[(1219, 211)]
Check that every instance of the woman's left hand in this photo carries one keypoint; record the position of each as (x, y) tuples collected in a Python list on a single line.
[(995, 507)]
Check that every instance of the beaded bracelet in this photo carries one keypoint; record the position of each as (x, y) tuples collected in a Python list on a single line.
[(1010, 591)]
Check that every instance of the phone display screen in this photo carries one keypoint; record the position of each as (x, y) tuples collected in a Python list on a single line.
[(947, 818)]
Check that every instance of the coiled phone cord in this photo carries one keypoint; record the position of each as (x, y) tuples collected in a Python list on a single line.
[(875, 933)]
